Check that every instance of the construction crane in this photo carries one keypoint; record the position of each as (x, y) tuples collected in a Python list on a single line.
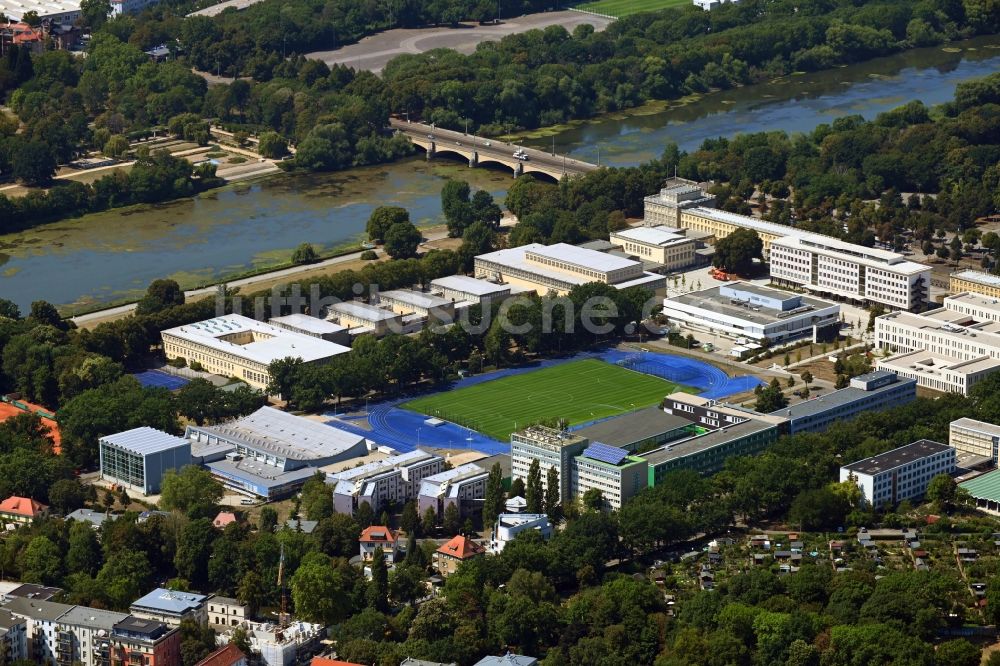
[(283, 613)]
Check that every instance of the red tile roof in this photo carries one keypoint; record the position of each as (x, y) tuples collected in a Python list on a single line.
[(377, 534), (323, 661), (224, 518), (226, 656), (22, 506), (462, 548)]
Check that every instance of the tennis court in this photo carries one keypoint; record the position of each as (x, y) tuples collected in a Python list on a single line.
[(158, 378)]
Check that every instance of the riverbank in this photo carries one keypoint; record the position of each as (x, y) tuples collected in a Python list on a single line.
[(109, 258), (435, 238)]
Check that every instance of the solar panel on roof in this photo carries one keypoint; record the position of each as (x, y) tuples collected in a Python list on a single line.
[(609, 454)]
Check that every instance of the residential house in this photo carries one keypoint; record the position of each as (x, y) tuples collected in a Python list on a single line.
[(17, 510), (458, 550), (377, 536)]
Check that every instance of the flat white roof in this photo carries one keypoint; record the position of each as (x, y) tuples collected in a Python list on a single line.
[(145, 440), (872, 257), (745, 221), (269, 343), (308, 323), (363, 311), (973, 424), (292, 437), (386, 464), (469, 285), (16, 9), (415, 298), (659, 235), (579, 256), (978, 277), (516, 258)]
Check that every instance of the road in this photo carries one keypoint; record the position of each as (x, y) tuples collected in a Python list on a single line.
[(491, 148), (203, 292), (373, 52)]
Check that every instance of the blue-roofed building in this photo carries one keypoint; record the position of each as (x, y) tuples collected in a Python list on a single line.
[(137, 459), (171, 607)]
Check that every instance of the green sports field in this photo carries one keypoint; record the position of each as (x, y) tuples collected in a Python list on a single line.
[(621, 8), (577, 391)]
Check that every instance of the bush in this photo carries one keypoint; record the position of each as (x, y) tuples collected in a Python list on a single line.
[(272, 144), (196, 366), (237, 160), (178, 362), (304, 254), (369, 255)]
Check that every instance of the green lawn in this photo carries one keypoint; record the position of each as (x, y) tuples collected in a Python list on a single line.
[(621, 8), (577, 391)]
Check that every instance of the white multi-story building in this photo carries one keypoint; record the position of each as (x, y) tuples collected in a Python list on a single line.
[(900, 474), (236, 346), (42, 620), (742, 309), (394, 479), (13, 636), (611, 470), (509, 525), (667, 246), (463, 486), (829, 266), (551, 448), (560, 267), (975, 438), (664, 207), (823, 264), (949, 349)]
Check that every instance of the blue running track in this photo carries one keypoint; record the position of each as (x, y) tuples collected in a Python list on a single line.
[(153, 378), (401, 429)]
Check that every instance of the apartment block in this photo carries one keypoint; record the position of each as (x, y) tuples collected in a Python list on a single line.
[(394, 479), (463, 487), (900, 474)]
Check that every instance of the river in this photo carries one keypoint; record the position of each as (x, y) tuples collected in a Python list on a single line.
[(112, 256)]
